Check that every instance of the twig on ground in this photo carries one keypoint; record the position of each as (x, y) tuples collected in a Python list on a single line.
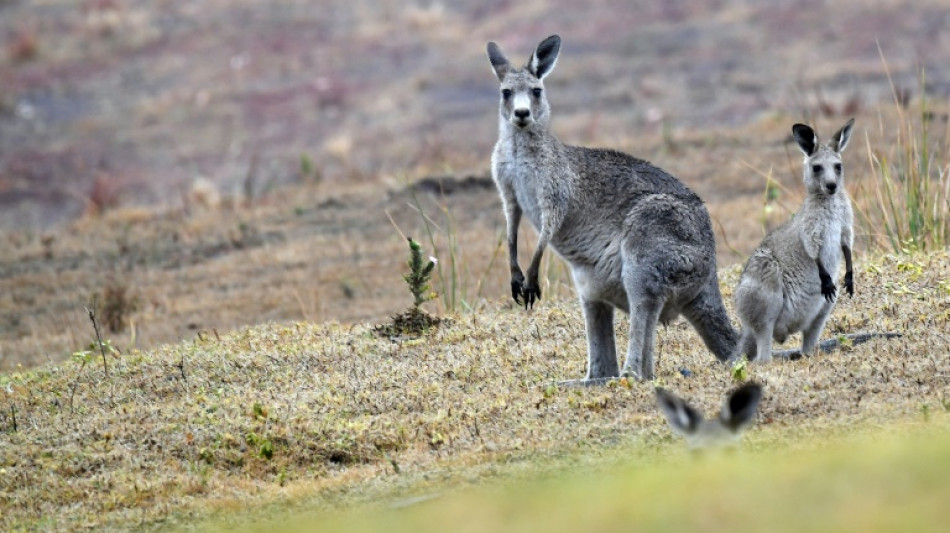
[(95, 326)]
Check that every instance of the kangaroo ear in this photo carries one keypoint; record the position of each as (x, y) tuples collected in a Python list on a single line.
[(498, 61), (840, 140), (683, 418), (740, 407), (545, 56), (806, 138)]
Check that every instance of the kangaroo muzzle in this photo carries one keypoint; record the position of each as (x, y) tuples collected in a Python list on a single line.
[(521, 116)]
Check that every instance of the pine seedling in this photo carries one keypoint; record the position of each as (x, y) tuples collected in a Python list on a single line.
[(420, 272)]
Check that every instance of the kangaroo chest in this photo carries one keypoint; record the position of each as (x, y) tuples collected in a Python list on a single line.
[(826, 235), (830, 252), (522, 172)]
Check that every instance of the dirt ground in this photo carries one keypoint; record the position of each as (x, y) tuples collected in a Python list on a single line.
[(232, 162)]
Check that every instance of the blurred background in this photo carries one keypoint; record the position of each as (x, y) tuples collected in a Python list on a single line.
[(187, 167)]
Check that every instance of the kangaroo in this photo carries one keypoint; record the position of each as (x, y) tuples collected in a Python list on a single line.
[(635, 238), (737, 414), (787, 284)]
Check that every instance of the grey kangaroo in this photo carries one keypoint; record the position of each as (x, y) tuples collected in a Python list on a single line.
[(737, 413), (635, 237), (787, 284)]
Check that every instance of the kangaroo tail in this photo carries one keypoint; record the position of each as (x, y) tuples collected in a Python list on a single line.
[(833, 344)]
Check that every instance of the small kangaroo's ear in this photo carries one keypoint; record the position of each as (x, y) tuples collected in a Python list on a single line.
[(806, 138), (683, 418), (545, 57), (738, 410), (498, 61), (840, 140)]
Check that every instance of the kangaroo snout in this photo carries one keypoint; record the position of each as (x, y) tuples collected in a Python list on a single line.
[(521, 116), (831, 187)]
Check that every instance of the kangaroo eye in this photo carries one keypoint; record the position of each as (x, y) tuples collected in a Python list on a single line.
[(506, 93), (816, 169), (536, 92), (838, 168)]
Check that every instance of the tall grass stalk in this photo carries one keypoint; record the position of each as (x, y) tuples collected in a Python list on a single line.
[(905, 204), (455, 278)]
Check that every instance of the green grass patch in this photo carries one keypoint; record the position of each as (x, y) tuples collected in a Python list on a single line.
[(871, 483)]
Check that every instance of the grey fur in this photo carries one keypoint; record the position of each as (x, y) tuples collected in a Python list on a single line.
[(787, 284), (737, 414), (635, 237)]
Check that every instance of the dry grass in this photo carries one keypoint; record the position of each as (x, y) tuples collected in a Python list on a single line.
[(907, 199), (301, 254), (331, 413), (212, 106), (322, 251)]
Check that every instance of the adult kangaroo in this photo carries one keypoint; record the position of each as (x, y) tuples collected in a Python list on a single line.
[(635, 237)]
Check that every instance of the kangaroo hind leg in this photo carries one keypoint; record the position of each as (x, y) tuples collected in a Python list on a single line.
[(812, 332), (601, 346), (645, 309), (759, 310)]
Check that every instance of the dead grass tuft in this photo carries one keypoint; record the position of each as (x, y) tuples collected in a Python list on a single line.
[(116, 303), (413, 322)]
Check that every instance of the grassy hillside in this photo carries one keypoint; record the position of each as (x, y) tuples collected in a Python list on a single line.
[(302, 415)]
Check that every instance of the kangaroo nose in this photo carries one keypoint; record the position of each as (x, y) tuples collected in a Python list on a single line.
[(522, 113), (832, 187)]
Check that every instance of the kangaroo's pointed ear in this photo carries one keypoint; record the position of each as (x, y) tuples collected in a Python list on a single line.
[(545, 56), (840, 140), (683, 418), (498, 61), (739, 409), (806, 138)]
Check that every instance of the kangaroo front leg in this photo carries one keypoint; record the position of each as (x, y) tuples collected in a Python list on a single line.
[(513, 217), (532, 287), (828, 289), (644, 315), (848, 273), (531, 290)]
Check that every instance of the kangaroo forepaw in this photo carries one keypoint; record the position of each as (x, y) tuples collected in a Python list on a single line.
[(516, 291), (531, 293), (849, 284), (828, 289), (517, 287)]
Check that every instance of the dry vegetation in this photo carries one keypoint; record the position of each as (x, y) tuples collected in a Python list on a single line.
[(333, 413), (315, 252), (267, 145)]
